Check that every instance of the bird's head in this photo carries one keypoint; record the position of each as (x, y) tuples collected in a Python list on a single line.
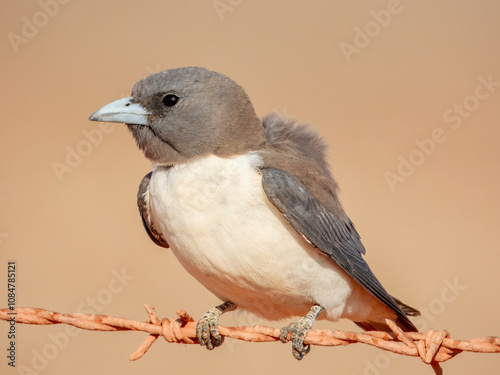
[(185, 113)]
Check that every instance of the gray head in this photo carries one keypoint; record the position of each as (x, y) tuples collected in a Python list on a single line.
[(185, 113)]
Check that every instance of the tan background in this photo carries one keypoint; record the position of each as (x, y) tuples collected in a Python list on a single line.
[(438, 228)]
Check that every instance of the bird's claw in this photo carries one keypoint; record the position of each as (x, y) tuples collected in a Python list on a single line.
[(206, 330), (298, 331)]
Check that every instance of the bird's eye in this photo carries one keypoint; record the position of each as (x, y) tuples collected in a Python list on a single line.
[(170, 100)]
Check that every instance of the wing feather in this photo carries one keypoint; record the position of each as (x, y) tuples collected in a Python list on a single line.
[(331, 235), (144, 209)]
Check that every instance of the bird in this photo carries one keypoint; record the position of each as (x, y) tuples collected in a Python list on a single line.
[(249, 207)]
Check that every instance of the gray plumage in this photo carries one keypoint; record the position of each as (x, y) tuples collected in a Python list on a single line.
[(204, 118), (301, 151), (192, 123), (335, 237)]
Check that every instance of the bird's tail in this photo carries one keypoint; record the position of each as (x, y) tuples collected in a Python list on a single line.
[(404, 324), (408, 310)]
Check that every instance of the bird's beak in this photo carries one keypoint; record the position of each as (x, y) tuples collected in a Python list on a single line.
[(122, 110)]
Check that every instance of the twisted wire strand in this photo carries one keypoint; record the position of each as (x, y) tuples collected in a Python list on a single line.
[(432, 347)]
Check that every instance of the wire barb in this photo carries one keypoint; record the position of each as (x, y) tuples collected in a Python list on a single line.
[(432, 347)]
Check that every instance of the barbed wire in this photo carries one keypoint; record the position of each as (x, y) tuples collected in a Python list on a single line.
[(432, 347)]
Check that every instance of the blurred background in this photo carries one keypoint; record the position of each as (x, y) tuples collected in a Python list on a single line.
[(406, 93)]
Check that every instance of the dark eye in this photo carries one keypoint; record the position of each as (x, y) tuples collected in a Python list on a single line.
[(170, 100)]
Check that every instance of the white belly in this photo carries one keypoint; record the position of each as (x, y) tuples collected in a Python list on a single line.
[(226, 233)]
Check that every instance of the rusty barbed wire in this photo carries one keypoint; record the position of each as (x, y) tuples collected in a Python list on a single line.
[(432, 347)]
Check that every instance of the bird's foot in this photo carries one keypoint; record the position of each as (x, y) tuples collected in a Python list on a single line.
[(206, 330), (298, 331)]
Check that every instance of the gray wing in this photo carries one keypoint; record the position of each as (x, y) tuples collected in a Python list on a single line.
[(330, 234), (143, 202)]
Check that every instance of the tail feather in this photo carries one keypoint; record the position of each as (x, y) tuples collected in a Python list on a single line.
[(404, 324), (408, 310)]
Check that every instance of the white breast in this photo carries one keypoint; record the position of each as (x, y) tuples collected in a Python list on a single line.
[(225, 232)]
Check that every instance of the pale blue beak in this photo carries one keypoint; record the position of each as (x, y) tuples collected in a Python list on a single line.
[(122, 110)]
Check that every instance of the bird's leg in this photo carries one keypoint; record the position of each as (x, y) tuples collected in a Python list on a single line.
[(299, 331), (206, 329)]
